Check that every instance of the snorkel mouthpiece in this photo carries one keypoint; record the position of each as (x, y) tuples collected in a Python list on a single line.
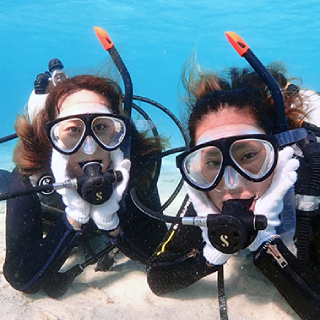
[(95, 186)]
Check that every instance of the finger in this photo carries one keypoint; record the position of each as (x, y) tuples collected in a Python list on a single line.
[(292, 165)]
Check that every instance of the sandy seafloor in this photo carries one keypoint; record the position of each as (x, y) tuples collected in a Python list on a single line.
[(123, 292)]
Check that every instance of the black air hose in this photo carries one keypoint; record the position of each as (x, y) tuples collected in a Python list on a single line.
[(314, 162), (308, 194), (302, 234)]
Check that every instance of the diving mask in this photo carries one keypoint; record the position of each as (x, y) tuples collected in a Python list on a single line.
[(67, 134), (252, 156)]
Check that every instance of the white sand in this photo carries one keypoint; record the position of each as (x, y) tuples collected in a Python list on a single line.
[(123, 293)]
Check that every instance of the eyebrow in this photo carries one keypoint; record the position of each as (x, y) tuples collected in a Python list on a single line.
[(211, 151)]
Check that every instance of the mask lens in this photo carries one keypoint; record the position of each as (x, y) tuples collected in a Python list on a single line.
[(67, 134), (109, 131), (254, 157), (202, 166)]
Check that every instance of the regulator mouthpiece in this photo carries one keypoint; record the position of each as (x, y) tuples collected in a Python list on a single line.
[(236, 227), (95, 186)]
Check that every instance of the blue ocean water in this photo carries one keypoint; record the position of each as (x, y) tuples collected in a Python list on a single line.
[(154, 38)]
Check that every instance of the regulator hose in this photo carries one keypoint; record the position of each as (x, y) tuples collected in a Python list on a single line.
[(308, 196)]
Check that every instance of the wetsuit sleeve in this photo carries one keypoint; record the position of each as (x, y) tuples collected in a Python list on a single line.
[(178, 262), (31, 258)]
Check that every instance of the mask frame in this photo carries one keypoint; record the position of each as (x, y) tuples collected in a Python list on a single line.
[(224, 145), (87, 119)]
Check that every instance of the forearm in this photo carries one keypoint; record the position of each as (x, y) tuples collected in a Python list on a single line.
[(179, 261), (169, 272), (28, 269)]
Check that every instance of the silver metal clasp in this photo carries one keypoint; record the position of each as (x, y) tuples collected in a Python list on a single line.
[(273, 250)]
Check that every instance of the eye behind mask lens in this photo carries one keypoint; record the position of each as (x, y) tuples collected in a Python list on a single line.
[(67, 135), (253, 158)]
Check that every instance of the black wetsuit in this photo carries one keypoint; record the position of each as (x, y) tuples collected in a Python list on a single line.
[(32, 259), (178, 262)]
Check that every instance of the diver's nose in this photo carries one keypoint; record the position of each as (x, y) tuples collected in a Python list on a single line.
[(89, 145), (231, 178)]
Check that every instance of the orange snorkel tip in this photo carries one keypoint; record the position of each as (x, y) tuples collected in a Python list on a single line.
[(237, 42), (244, 51), (104, 38), (108, 45)]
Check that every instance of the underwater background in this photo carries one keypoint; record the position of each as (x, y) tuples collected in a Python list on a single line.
[(154, 38)]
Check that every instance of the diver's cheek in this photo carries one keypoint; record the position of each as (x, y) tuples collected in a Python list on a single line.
[(74, 169), (216, 198), (106, 161)]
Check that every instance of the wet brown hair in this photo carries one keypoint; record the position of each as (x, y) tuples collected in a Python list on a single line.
[(32, 153)]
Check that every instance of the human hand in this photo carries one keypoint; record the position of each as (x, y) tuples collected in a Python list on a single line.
[(213, 255), (77, 209), (270, 204), (203, 206), (105, 215)]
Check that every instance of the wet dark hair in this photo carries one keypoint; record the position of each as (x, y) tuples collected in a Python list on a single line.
[(240, 100), (242, 90)]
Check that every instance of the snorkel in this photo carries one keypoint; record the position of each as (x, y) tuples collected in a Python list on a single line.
[(282, 129), (114, 54), (306, 195), (282, 132), (244, 51), (98, 186)]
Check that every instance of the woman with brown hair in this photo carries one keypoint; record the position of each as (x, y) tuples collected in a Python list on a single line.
[(84, 122)]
